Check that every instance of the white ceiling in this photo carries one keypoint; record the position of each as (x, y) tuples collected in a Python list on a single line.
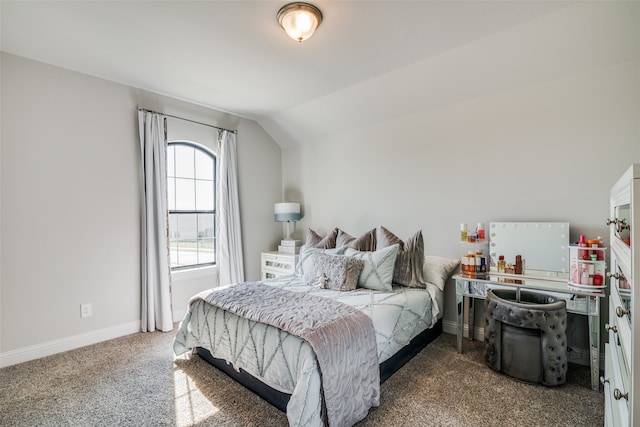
[(369, 60)]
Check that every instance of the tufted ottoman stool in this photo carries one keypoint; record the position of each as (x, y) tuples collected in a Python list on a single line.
[(526, 340)]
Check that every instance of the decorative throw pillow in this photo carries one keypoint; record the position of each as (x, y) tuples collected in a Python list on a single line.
[(366, 242), (410, 259), (314, 240), (305, 261), (336, 272), (437, 269), (343, 239), (377, 273)]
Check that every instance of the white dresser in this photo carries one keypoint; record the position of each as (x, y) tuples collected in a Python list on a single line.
[(622, 354), (276, 264)]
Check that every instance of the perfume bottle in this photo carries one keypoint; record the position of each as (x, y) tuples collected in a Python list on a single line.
[(481, 232), (463, 232)]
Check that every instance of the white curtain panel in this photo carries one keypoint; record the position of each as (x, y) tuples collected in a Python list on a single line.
[(229, 238), (156, 277)]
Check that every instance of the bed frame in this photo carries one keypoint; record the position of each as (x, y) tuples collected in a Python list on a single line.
[(280, 399)]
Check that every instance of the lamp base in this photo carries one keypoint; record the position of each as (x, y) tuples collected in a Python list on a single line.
[(289, 231)]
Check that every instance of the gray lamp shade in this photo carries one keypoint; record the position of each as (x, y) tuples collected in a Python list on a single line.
[(285, 212)]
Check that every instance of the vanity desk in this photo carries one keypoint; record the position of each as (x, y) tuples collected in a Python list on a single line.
[(579, 301)]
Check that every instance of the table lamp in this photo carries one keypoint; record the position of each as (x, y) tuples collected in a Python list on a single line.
[(287, 212)]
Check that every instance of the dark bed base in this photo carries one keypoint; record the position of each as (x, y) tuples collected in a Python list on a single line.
[(280, 399)]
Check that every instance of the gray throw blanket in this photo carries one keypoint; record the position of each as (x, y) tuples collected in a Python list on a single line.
[(342, 337)]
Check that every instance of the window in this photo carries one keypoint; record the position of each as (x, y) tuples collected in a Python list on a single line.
[(191, 172)]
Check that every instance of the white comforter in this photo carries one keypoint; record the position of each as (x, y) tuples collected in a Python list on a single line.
[(286, 362)]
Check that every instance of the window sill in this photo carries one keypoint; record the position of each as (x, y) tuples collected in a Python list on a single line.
[(192, 273)]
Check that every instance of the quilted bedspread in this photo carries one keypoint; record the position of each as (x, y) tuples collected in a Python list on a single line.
[(288, 363)]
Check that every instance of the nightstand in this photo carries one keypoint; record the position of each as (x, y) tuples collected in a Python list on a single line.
[(276, 264)]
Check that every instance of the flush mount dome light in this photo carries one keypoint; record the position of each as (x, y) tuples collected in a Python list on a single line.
[(299, 20)]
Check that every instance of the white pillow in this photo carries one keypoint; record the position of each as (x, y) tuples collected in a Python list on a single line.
[(377, 273), (438, 269)]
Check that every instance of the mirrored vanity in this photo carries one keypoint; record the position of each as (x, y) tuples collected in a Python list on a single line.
[(542, 251)]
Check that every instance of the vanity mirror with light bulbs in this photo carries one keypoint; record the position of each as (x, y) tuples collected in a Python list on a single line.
[(543, 246)]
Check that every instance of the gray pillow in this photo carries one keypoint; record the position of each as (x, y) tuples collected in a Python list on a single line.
[(377, 273), (343, 239), (306, 261), (366, 242), (410, 261), (314, 240), (336, 272)]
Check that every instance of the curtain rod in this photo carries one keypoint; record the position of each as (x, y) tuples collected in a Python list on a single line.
[(186, 120)]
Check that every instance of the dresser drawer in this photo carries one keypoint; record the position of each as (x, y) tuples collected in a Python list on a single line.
[(620, 319), (610, 419), (615, 374)]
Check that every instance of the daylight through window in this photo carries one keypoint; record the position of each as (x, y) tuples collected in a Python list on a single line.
[(191, 172)]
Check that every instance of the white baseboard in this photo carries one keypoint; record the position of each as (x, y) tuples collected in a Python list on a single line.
[(579, 356), (451, 327), (13, 357)]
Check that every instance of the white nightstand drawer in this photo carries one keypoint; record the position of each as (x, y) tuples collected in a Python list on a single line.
[(276, 264)]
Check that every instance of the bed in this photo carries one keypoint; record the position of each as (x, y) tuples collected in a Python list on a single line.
[(292, 372)]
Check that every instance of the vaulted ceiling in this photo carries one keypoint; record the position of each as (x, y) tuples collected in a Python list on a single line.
[(369, 61)]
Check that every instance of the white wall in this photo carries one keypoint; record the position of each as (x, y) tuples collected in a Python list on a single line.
[(545, 153), (70, 205)]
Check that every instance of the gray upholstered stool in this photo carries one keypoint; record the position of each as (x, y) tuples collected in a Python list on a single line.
[(526, 340)]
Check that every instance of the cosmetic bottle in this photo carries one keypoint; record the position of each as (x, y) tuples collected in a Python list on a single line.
[(593, 243), (463, 232), (471, 264), (519, 267), (582, 243), (584, 278), (574, 275), (598, 279), (481, 232), (472, 236), (600, 245), (592, 271)]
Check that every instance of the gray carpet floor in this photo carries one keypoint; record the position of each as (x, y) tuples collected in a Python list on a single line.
[(137, 381)]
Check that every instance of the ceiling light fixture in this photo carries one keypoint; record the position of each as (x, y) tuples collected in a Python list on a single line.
[(299, 20)]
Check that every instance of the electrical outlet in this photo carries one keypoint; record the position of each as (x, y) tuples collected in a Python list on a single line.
[(86, 310)]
